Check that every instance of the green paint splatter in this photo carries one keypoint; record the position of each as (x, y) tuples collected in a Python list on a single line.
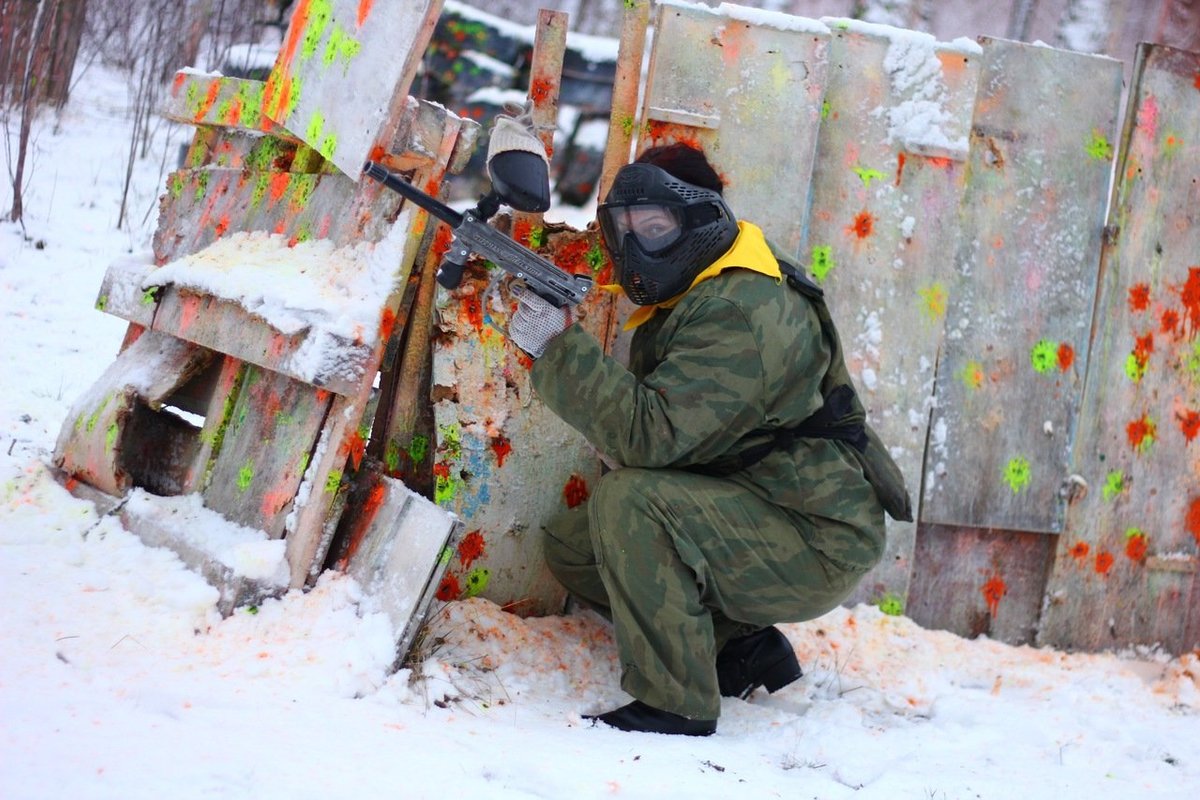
[(537, 237), (341, 46), (1017, 474), (391, 456), (1193, 361), (477, 581), (251, 95), (444, 490), (935, 299), (1114, 484), (892, 605), (972, 375), (293, 96), (316, 126), (1135, 367), (867, 175), (627, 125), (333, 481), (328, 146), (193, 99), (595, 258), (245, 476), (304, 463), (822, 262), (262, 182), (302, 187), (101, 302), (201, 185), (175, 185), (418, 449), (1098, 147), (99, 412), (110, 437), (150, 296), (447, 554), (320, 12), (451, 439), (825, 110), (1044, 356)]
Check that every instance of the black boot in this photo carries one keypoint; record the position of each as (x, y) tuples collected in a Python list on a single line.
[(763, 658), (639, 717)]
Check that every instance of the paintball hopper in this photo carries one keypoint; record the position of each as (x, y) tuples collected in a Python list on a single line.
[(517, 164)]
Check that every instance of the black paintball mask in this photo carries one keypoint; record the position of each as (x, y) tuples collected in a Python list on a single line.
[(662, 232)]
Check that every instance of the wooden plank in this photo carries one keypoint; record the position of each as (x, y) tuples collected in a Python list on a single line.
[(398, 552), (635, 21), (503, 462), (216, 100), (1010, 376), (881, 233), (100, 428), (747, 87), (1125, 572), (342, 76), (977, 582)]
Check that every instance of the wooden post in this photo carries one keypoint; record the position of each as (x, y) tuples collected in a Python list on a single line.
[(545, 81), (622, 121)]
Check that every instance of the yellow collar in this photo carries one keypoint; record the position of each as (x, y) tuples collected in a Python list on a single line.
[(749, 251)]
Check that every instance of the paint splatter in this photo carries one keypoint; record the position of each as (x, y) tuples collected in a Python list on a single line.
[(822, 262), (334, 481), (934, 299), (1189, 424), (477, 581), (1191, 522), (1017, 474), (449, 589), (1189, 293), (1065, 356), (993, 590), (471, 548), (576, 491), (245, 476), (1135, 544), (1044, 356), (867, 175), (1139, 297), (892, 605), (1104, 562), (1114, 484), (1079, 551), (1098, 147), (901, 158), (972, 375), (501, 446), (1169, 323), (863, 225), (1141, 433)]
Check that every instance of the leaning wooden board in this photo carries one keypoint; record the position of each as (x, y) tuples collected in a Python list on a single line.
[(881, 231), (1019, 313), (1125, 571), (746, 86)]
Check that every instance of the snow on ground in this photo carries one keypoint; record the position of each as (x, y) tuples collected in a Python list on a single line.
[(118, 678)]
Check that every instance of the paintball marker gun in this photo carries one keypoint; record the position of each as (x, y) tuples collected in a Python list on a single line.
[(520, 179)]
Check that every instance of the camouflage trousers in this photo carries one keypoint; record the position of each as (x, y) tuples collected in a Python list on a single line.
[(681, 563)]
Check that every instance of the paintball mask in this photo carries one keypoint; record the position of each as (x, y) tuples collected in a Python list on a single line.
[(662, 232)]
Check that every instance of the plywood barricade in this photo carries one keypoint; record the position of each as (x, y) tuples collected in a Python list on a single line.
[(286, 408)]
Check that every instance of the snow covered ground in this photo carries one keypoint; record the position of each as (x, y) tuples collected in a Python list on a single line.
[(118, 678)]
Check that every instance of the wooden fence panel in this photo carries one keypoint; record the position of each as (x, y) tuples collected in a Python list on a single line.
[(886, 188), (747, 88), (343, 74), (1126, 569), (1010, 376)]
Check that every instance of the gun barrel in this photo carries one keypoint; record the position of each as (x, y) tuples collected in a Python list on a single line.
[(402, 187)]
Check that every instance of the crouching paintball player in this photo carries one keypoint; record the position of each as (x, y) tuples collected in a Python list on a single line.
[(750, 490)]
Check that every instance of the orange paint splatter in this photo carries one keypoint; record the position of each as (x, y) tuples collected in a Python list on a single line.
[(1079, 550), (1135, 547), (441, 240), (940, 162), (471, 311), (501, 446), (1190, 295), (222, 225), (364, 9), (386, 323), (449, 589), (471, 547), (1139, 297), (1196, 82), (524, 360), (863, 225), (1066, 356), (1104, 562), (278, 186), (1143, 346), (214, 89), (234, 114), (177, 84), (576, 491), (993, 591), (1169, 323), (540, 90), (521, 231), (356, 448), (900, 159), (1191, 522), (1141, 432), (1189, 423)]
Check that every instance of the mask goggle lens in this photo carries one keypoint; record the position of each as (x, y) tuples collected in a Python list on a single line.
[(656, 227)]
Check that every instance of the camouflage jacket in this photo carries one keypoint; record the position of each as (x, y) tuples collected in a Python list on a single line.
[(739, 353)]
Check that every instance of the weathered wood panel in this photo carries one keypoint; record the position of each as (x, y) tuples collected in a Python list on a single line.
[(980, 582), (881, 232), (1019, 314), (746, 86), (1126, 568), (342, 76)]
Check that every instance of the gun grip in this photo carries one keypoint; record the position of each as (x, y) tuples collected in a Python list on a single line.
[(449, 274)]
